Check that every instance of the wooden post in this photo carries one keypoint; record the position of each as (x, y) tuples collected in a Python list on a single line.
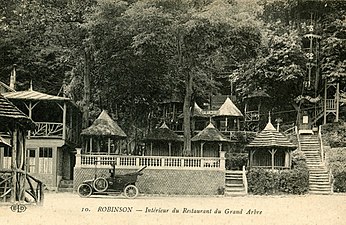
[(226, 123), (287, 159), (202, 143), (169, 149), (64, 122), (30, 116), (109, 146), (151, 148), (325, 103), (337, 96), (14, 164), (273, 157), (91, 144)]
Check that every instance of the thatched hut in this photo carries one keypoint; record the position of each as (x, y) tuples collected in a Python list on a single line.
[(270, 149), (103, 136), (164, 142), (211, 141)]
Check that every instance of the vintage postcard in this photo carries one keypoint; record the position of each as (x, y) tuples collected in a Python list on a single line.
[(173, 112)]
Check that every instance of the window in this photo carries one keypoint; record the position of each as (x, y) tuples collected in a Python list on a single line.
[(32, 160), (45, 160), (7, 158)]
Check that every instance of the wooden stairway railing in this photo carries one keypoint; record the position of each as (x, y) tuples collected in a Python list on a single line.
[(35, 189)]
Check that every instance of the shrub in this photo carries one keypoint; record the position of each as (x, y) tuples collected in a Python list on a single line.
[(294, 181), (336, 160), (235, 161)]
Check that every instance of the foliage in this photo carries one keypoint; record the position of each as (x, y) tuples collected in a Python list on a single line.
[(294, 181), (336, 160), (236, 161), (335, 134)]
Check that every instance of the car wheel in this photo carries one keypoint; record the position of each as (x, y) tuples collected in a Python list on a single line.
[(84, 190), (131, 191), (100, 184)]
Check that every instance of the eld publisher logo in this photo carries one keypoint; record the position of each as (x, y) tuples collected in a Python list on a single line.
[(18, 208)]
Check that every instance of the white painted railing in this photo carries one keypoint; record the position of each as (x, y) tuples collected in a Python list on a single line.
[(331, 104), (87, 161), (321, 143), (245, 180)]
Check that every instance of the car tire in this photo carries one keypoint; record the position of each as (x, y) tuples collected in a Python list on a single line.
[(131, 191), (84, 190)]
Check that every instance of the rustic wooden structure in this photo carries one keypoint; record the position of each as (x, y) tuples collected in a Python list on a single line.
[(270, 149), (211, 142), (51, 144), (14, 125), (163, 142), (226, 116), (103, 136), (256, 106)]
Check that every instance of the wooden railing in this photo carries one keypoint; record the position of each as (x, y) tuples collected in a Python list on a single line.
[(252, 116), (321, 144), (330, 104), (245, 180), (47, 129), (298, 138), (126, 161), (35, 189)]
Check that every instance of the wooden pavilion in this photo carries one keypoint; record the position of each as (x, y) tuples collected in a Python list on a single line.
[(211, 142), (270, 149), (15, 124), (103, 136), (228, 116), (256, 106), (164, 142)]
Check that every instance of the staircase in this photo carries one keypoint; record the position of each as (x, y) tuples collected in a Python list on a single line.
[(234, 183), (319, 182), (65, 186)]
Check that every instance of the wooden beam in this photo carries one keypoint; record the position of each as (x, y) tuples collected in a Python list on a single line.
[(337, 96), (109, 146), (325, 103), (64, 122), (14, 164)]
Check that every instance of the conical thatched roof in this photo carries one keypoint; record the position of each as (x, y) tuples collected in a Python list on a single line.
[(210, 133), (104, 126), (229, 109), (271, 138), (199, 112), (163, 133), (9, 112)]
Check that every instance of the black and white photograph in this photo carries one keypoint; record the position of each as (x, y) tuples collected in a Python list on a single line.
[(173, 112)]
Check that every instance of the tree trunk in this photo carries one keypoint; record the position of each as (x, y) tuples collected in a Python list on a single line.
[(186, 112), (86, 96)]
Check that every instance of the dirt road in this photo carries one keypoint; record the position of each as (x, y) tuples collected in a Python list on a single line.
[(68, 208)]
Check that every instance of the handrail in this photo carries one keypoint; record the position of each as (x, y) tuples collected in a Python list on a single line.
[(321, 143), (331, 180), (298, 139), (245, 180)]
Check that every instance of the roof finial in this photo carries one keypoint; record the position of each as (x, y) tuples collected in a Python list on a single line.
[(269, 118), (30, 89)]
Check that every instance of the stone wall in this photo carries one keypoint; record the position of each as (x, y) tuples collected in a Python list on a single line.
[(165, 181)]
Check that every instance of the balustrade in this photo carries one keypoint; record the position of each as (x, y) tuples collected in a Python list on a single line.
[(149, 161)]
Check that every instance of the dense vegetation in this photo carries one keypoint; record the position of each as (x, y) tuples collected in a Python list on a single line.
[(336, 160), (127, 55)]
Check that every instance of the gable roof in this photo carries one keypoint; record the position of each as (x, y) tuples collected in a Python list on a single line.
[(210, 133), (6, 87), (33, 95), (163, 133), (8, 112), (104, 125), (269, 137)]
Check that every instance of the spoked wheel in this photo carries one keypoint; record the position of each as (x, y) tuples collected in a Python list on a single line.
[(131, 191), (84, 190), (100, 184)]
